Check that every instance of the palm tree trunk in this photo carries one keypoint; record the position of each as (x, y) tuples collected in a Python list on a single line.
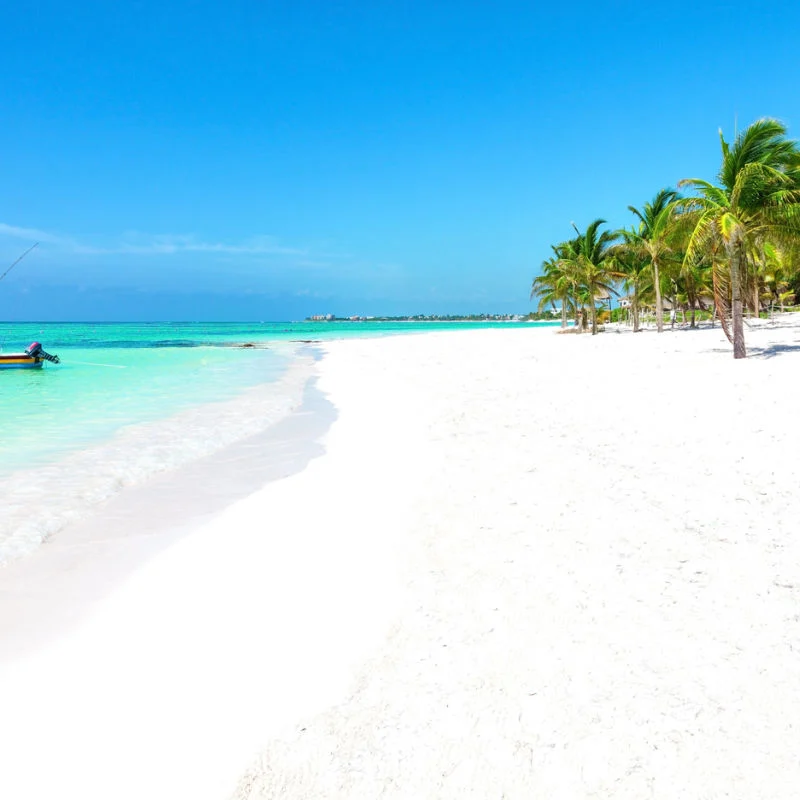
[(691, 301), (737, 310), (756, 298), (659, 301), (594, 318), (635, 309), (563, 312)]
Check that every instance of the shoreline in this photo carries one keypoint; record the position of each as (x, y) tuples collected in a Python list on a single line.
[(49, 591), (168, 671), (80, 482), (543, 565)]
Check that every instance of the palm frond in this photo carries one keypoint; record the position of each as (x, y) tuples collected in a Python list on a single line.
[(708, 192), (763, 142)]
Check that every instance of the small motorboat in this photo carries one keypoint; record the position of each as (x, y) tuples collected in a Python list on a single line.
[(33, 358)]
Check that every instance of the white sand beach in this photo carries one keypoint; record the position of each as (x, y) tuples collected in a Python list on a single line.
[(528, 565)]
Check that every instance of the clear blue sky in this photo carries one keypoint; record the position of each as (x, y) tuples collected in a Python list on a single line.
[(274, 159)]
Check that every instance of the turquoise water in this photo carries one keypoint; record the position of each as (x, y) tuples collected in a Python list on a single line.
[(131, 400), (113, 375)]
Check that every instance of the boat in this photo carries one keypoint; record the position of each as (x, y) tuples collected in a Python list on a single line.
[(33, 358), (34, 355)]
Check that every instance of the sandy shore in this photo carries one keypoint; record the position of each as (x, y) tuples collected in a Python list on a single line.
[(528, 565), (49, 592)]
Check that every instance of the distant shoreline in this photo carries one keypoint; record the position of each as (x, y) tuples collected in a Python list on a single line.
[(436, 318)]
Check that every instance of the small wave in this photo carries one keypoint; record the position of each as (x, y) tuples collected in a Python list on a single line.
[(39, 502)]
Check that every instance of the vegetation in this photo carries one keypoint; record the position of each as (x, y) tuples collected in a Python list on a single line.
[(726, 248), (547, 315)]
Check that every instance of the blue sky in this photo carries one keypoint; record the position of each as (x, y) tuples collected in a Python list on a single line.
[(271, 160)]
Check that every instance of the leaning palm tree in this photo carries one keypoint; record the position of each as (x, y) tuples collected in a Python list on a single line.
[(757, 201)]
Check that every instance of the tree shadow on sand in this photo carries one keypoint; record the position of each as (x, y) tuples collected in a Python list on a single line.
[(772, 350)]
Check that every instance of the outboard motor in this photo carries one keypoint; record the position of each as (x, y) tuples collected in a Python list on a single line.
[(34, 350)]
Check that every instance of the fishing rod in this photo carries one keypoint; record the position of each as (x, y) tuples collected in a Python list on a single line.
[(18, 260)]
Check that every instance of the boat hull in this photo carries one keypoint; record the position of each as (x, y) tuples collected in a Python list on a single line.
[(20, 361)]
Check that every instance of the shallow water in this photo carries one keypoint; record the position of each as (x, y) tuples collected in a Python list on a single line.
[(111, 377), (131, 400), (117, 374)]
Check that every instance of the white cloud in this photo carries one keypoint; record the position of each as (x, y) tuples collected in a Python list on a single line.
[(159, 257), (31, 234), (145, 245)]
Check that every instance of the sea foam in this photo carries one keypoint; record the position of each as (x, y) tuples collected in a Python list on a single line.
[(41, 500)]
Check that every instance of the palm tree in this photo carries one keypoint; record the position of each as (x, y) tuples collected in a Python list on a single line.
[(775, 273), (592, 258), (632, 265), (654, 237), (690, 278), (694, 285), (757, 201), (553, 285)]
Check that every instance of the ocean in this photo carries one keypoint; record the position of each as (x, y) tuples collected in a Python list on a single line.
[(131, 400)]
